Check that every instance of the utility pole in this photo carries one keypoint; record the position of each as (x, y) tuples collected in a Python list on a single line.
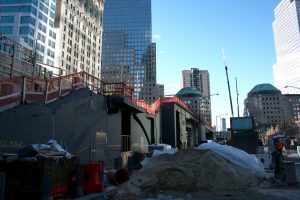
[(226, 69), (34, 59), (12, 61)]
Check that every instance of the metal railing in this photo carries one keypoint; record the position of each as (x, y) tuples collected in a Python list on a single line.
[(18, 90), (125, 143)]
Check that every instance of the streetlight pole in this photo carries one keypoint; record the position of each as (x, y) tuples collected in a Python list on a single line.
[(201, 129), (289, 86)]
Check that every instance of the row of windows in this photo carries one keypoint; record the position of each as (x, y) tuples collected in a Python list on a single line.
[(24, 20), (270, 98), (6, 29), (35, 2), (6, 19), (16, 9)]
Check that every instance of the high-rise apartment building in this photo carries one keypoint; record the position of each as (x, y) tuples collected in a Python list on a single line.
[(65, 34), (199, 79), (286, 27), (196, 78), (128, 52)]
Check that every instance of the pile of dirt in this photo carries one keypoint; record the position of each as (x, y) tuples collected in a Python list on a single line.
[(188, 171)]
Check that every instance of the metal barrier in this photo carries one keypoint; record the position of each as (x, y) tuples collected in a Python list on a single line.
[(125, 143)]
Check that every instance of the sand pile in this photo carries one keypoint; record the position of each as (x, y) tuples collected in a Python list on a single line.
[(188, 171)]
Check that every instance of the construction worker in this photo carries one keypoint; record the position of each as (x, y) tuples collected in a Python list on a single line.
[(278, 156), (278, 146)]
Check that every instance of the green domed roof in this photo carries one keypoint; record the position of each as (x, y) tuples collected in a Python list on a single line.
[(265, 88), (189, 91)]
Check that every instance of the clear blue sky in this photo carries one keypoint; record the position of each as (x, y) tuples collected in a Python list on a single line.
[(191, 33)]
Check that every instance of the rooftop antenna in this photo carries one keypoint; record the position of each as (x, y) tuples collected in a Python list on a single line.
[(237, 97), (226, 69)]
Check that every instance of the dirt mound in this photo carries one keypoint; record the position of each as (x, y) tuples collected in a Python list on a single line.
[(188, 171)]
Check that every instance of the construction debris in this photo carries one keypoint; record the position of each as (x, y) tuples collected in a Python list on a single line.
[(190, 170)]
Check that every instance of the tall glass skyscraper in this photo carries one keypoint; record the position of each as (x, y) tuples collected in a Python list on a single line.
[(286, 27), (128, 54)]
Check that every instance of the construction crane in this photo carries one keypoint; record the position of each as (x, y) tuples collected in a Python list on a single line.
[(226, 69), (237, 97)]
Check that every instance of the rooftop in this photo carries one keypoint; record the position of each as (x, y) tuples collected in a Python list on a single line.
[(189, 91), (264, 88)]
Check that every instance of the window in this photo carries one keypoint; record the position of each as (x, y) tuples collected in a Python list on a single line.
[(50, 53), (52, 15), (6, 30), (41, 37), (43, 17), (51, 23), (52, 34), (26, 30), (27, 19), (51, 44), (52, 6), (6, 19), (44, 8), (50, 62), (40, 47), (28, 41), (45, 2), (42, 27)]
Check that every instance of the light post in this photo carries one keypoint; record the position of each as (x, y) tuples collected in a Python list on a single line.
[(290, 86), (202, 128)]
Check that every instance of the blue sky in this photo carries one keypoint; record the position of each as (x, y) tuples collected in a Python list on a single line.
[(191, 33)]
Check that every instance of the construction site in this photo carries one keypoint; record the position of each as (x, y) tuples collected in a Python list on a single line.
[(77, 137)]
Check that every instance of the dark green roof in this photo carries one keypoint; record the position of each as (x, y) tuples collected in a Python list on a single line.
[(189, 91), (265, 88)]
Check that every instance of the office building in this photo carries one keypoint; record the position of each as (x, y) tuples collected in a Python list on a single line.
[(196, 78), (294, 103), (268, 106), (286, 27), (65, 34), (128, 52)]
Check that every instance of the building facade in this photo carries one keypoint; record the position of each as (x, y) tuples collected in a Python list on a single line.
[(64, 34), (197, 78), (268, 107), (294, 102), (128, 52), (195, 100), (286, 27)]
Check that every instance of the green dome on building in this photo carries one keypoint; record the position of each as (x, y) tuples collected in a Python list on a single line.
[(189, 92), (265, 88)]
